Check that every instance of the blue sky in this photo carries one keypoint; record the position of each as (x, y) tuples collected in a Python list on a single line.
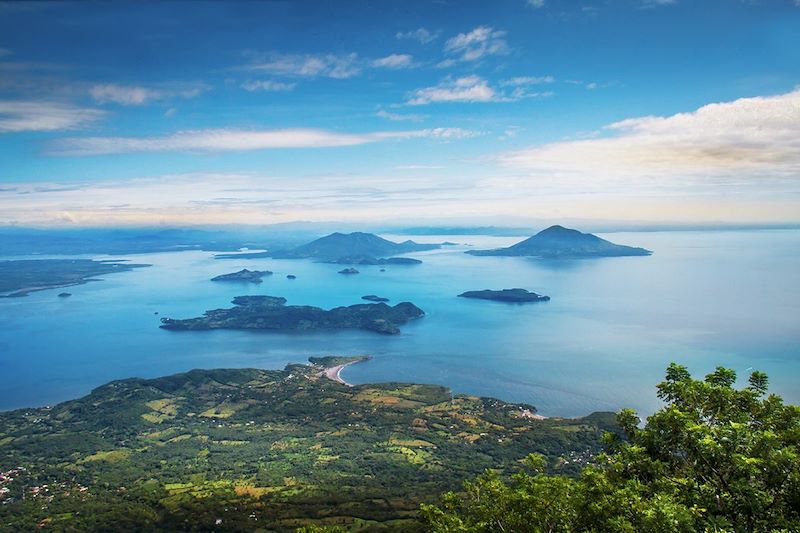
[(259, 112)]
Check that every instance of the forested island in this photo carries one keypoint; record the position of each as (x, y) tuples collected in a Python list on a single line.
[(238, 450), (272, 313), (506, 295), (23, 276), (252, 276)]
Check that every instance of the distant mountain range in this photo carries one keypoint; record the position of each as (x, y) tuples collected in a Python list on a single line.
[(336, 246), (558, 242)]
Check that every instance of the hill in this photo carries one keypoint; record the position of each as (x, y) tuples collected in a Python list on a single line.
[(243, 449), (558, 242), (358, 244)]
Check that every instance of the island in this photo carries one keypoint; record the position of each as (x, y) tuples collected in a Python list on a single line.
[(506, 295), (348, 271), (64, 294), (336, 246), (251, 449), (243, 255), (367, 260), (558, 242), (291, 276), (272, 313), (251, 276), (374, 298), (24, 276)]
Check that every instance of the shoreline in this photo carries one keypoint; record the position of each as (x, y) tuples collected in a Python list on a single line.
[(334, 373)]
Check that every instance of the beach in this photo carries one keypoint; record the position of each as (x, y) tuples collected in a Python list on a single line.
[(334, 372)]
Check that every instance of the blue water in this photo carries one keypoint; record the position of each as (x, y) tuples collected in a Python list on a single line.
[(602, 343)]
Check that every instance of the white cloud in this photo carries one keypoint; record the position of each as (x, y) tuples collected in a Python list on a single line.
[(267, 85), (419, 167), (400, 117), (527, 80), (536, 3), (476, 89), (136, 95), (394, 61), (480, 42), (465, 89), (221, 140), (5, 52), (308, 65), (744, 139), (422, 35), (19, 115), (123, 95)]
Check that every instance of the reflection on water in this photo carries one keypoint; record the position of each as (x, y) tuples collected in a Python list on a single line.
[(602, 342)]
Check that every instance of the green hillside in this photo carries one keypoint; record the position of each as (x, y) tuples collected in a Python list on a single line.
[(246, 449)]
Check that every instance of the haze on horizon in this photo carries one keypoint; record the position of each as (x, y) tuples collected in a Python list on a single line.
[(130, 113)]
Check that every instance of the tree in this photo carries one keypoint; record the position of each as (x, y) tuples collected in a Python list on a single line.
[(714, 458)]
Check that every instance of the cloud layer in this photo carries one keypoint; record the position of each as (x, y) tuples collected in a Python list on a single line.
[(308, 65), (223, 140), (743, 139), (20, 115)]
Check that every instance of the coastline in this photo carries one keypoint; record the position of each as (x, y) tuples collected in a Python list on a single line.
[(334, 373)]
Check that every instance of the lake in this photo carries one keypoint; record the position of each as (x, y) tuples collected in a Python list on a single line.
[(703, 299)]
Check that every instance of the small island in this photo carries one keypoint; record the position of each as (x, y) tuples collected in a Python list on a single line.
[(348, 271), (251, 276), (272, 313), (64, 294), (374, 298), (291, 276), (368, 260), (506, 295), (243, 255)]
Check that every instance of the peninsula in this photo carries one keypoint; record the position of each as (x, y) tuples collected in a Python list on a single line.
[(252, 276), (272, 313), (506, 295), (21, 277), (558, 242), (274, 450)]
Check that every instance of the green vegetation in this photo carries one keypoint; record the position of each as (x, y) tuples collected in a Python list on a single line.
[(20, 277), (329, 361), (271, 313), (244, 449), (713, 459)]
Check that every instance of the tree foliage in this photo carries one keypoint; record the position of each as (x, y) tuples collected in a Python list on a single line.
[(714, 458)]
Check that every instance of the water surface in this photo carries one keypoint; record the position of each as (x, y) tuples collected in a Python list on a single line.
[(602, 343)]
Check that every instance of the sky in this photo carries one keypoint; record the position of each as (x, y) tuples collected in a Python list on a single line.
[(187, 113)]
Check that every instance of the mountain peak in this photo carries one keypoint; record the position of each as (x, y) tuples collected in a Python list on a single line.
[(565, 243)]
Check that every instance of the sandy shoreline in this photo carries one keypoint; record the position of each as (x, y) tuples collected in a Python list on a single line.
[(334, 373)]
